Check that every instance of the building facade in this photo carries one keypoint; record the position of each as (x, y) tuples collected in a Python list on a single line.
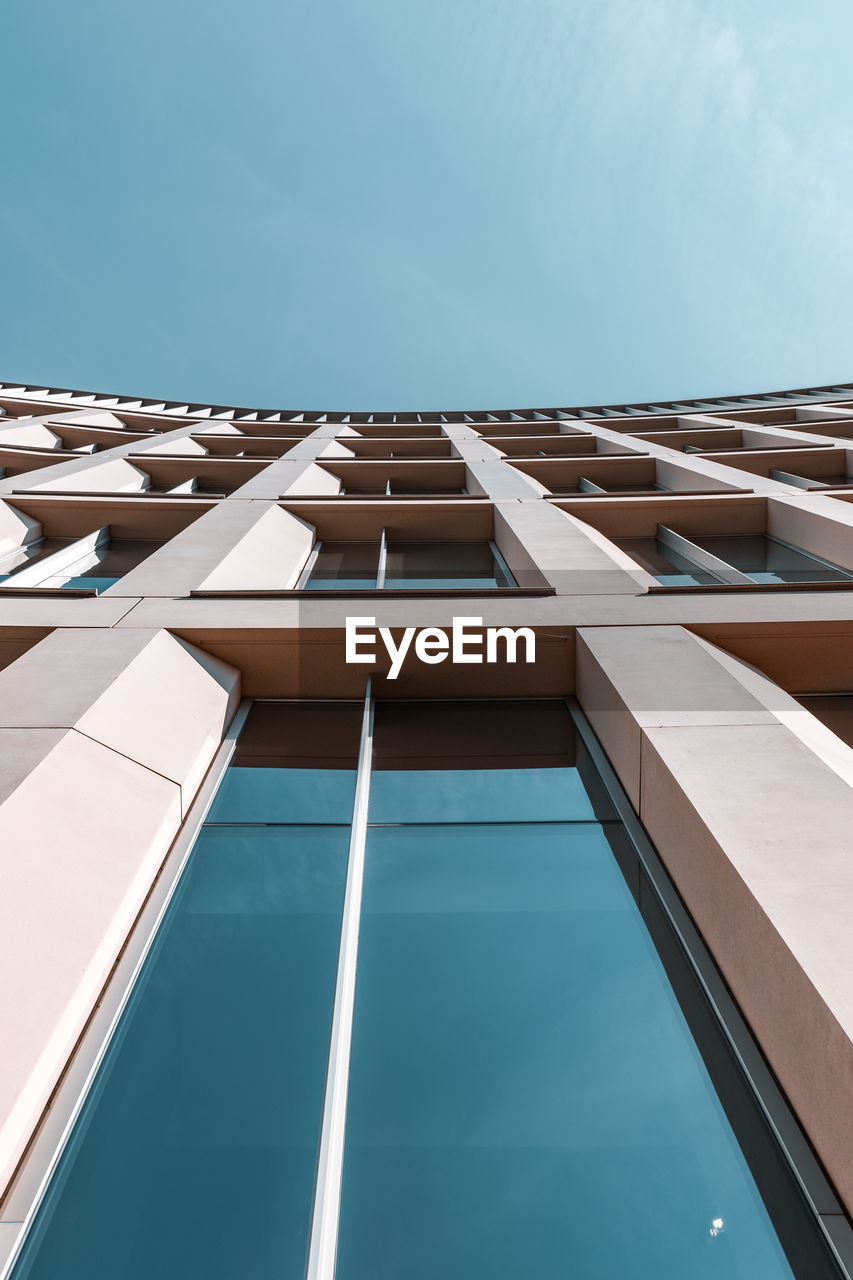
[(425, 840)]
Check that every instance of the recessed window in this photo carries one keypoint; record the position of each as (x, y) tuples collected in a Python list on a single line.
[(406, 565), (670, 568), (732, 559), (765, 559), (92, 563)]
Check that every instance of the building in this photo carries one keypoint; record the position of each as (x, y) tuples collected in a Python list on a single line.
[(534, 959)]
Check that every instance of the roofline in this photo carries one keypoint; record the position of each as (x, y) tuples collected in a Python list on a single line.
[(192, 409)]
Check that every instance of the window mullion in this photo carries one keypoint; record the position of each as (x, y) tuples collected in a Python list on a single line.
[(323, 1241), (383, 556), (501, 563), (700, 558), (309, 566)]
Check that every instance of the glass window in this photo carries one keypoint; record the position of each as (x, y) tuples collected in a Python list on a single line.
[(347, 566), (195, 1153), (526, 1095), (344, 566), (96, 568), (526, 1098), (765, 560), (670, 569), (444, 564)]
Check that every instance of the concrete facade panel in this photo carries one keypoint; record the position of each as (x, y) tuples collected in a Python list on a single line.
[(81, 837), (735, 812), (269, 556), (150, 697)]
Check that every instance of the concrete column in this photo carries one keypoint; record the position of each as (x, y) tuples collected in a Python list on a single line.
[(294, 472), (104, 738), (735, 784), (235, 545), (539, 541), (500, 481)]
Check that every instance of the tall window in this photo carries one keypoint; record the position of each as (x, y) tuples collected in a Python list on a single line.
[(523, 1094)]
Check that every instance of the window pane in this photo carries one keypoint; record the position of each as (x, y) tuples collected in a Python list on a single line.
[(766, 560), (285, 795), (437, 564), (345, 565), (105, 565), (196, 1151), (479, 795), (196, 1154), (295, 762), (525, 1097), (670, 569)]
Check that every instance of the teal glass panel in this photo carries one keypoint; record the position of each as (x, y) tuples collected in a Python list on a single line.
[(765, 560), (670, 568), (478, 795), (344, 566), (89, 581), (452, 565), (195, 1154), (339, 584), (526, 1098), (251, 794)]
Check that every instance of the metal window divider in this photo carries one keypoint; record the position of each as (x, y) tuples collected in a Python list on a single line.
[(309, 566), (64, 558), (325, 1214), (383, 559), (700, 558), (501, 563), (788, 477)]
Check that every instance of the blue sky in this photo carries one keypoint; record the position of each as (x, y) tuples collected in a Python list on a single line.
[(426, 203)]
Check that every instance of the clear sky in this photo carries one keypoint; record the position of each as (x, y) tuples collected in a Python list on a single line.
[(426, 203)]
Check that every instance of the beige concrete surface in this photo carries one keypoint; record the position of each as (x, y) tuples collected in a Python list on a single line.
[(737, 800), (270, 555), (147, 695), (33, 434), (82, 833), (16, 529), (538, 538), (194, 554), (116, 476)]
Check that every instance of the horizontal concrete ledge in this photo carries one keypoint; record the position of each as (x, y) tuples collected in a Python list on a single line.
[(380, 593), (75, 593), (430, 498), (738, 588)]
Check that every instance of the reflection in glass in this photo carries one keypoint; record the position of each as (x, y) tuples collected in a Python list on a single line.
[(670, 568), (195, 1153), (438, 564), (764, 559), (344, 566), (526, 1098)]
